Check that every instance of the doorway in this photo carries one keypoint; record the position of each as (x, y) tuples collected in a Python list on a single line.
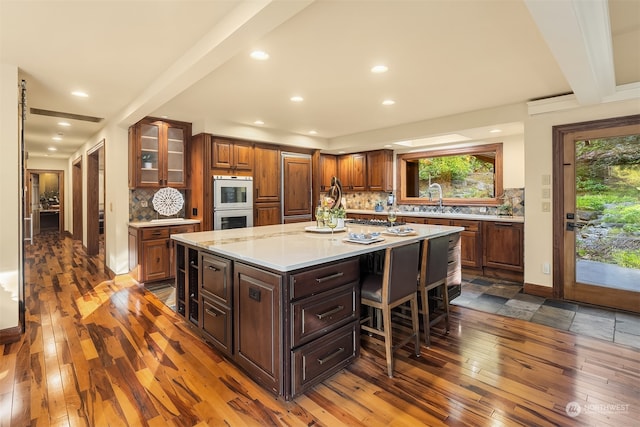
[(76, 177), (95, 198), (597, 212), (45, 193)]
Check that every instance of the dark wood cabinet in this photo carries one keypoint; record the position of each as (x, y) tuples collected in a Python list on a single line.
[(471, 243), (231, 155), (158, 153), (199, 197), (266, 174), (296, 176), (258, 325), (266, 214), (352, 171), (151, 252), (503, 245), (187, 273), (328, 169), (379, 167)]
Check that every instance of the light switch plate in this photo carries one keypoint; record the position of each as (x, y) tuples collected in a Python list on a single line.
[(546, 193), (546, 179), (546, 207)]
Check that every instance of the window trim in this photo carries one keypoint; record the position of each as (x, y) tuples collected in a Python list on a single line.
[(401, 168)]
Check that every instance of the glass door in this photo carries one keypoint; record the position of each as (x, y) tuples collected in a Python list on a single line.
[(602, 217), (149, 154)]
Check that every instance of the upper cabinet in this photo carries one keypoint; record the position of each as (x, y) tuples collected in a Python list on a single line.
[(158, 153), (266, 175), (328, 169), (380, 170), (232, 155), (352, 171)]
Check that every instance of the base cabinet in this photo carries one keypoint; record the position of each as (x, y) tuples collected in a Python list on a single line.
[(151, 251), (503, 245)]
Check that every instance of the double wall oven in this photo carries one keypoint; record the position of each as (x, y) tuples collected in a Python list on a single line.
[(232, 202)]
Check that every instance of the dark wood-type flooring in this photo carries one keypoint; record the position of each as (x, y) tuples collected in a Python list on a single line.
[(102, 352)]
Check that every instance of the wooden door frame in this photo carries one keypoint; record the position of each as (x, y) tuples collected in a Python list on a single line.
[(77, 226), (60, 174), (93, 199), (561, 132)]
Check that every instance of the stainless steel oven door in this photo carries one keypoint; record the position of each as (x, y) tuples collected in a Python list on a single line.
[(232, 192), (232, 218)]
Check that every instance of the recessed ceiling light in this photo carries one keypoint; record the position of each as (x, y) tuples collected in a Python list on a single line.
[(388, 102), (388, 146), (260, 55), (495, 131), (313, 132), (297, 98), (379, 69), (341, 152), (64, 124), (164, 117), (258, 122), (57, 138), (52, 149), (80, 94)]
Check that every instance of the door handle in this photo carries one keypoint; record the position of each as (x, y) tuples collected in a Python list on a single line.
[(571, 226)]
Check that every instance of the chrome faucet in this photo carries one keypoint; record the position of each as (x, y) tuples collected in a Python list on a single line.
[(439, 188)]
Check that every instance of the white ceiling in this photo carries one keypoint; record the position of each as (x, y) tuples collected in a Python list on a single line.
[(189, 60)]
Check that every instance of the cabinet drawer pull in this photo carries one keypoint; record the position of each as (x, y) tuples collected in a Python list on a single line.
[(331, 356), (503, 224), (211, 267), (330, 312), (213, 313), (329, 277)]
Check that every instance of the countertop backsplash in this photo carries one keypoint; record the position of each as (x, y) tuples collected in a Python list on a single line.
[(367, 200), (141, 208)]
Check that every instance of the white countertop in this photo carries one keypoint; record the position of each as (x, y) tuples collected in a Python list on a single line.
[(164, 222), (288, 247), (440, 215)]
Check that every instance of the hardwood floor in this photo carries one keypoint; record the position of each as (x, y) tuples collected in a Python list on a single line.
[(98, 352)]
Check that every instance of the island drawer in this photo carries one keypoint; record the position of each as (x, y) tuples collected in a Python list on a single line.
[(314, 316), (318, 360), (155, 233), (217, 323), (320, 279), (216, 277)]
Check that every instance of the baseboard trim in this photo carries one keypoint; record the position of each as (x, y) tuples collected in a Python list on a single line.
[(9, 335), (537, 290)]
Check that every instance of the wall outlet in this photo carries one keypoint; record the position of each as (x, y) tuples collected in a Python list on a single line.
[(144, 203), (546, 207), (546, 268)]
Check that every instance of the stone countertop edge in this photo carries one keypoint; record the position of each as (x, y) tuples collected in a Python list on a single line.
[(474, 217), (288, 247), (163, 223)]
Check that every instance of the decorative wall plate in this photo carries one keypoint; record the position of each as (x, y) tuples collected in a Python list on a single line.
[(167, 201)]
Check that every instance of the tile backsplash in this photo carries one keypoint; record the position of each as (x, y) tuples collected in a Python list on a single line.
[(367, 200), (141, 208)]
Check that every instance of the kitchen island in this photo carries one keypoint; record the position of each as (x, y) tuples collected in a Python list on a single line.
[(283, 303)]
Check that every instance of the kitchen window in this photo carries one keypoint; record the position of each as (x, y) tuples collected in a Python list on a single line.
[(457, 176)]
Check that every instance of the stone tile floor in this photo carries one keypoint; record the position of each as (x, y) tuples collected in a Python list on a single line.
[(507, 299)]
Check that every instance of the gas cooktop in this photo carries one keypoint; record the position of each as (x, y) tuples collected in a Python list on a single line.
[(377, 222)]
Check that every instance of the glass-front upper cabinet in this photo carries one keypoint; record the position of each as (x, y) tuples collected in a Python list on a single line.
[(158, 153)]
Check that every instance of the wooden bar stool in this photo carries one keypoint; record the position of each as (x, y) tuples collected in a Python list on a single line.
[(433, 274), (394, 287)]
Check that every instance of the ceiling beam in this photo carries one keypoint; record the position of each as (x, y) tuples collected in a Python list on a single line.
[(246, 23), (578, 34)]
